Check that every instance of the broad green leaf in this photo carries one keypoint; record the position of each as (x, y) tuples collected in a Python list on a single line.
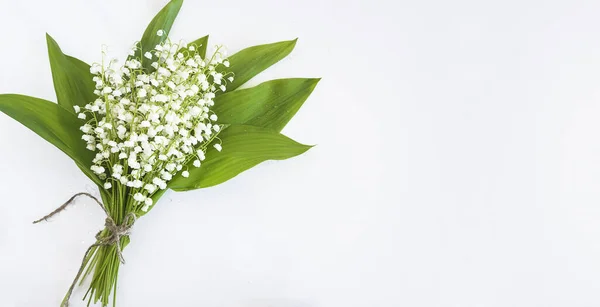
[(72, 83), (201, 44), (162, 21), (270, 105), (251, 61), (53, 123), (72, 78), (243, 147)]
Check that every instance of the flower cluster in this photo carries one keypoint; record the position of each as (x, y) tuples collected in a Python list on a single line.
[(148, 124)]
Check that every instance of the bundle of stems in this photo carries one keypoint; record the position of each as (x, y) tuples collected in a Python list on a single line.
[(102, 262)]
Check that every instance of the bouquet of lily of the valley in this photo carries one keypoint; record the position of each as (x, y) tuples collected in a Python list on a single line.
[(167, 117)]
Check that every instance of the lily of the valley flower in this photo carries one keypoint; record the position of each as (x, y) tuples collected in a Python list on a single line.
[(145, 127)]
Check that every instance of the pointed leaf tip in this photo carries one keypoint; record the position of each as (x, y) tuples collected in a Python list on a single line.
[(271, 104), (72, 79), (162, 21), (243, 148), (53, 123), (253, 60), (201, 44)]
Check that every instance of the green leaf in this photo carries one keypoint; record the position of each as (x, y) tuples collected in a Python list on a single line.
[(270, 105), (201, 44), (162, 21), (251, 61), (72, 78), (53, 123), (243, 147)]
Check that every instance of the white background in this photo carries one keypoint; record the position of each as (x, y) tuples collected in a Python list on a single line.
[(458, 160)]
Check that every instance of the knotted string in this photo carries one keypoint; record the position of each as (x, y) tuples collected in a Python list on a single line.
[(115, 232)]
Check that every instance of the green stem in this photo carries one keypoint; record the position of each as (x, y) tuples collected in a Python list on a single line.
[(104, 266)]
